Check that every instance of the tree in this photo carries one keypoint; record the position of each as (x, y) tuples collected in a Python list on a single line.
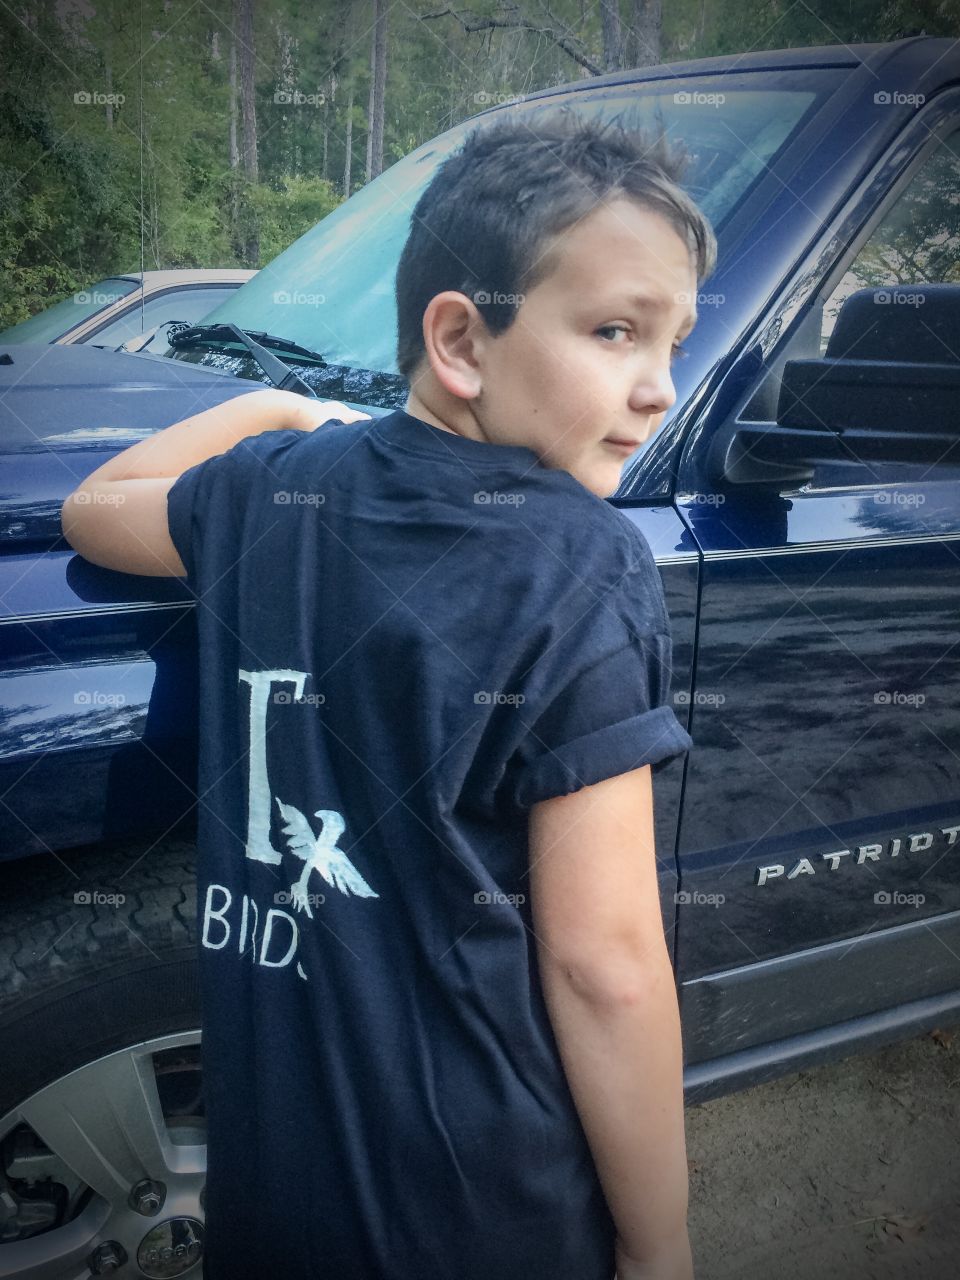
[(248, 104), (248, 87), (644, 32), (348, 148), (511, 18), (378, 88), (612, 42), (234, 148)]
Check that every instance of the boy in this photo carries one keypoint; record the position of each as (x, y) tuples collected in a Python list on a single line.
[(440, 1027)]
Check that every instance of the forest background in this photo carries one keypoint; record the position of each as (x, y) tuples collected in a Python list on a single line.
[(144, 134)]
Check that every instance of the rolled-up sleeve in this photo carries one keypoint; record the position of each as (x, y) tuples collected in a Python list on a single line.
[(187, 499), (205, 503), (612, 717)]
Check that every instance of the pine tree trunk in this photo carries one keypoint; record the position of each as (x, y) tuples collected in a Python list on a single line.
[(234, 149), (612, 42), (348, 142), (645, 33), (247, 60), (371, 102), (248, 89), (378, 85)]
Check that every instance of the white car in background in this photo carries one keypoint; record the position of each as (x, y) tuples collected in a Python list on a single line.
[(124, 307)]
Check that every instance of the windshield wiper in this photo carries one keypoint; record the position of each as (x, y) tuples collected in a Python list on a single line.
[(256, 343)]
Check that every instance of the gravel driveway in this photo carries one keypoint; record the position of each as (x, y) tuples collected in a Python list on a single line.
[(843, 1172)]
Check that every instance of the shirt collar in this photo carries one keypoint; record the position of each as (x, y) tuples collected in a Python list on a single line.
[(414, 434)]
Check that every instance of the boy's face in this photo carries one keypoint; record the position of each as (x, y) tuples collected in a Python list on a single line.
[(584, 364)]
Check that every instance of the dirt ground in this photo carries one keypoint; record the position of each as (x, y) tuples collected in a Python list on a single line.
[(844, 1172)]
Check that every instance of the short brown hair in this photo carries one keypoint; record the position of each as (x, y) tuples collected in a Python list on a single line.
[(480, 226)]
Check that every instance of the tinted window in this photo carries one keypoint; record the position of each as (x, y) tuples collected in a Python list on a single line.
[(57, 320), (190, 305), (916, 242), (333, 290)]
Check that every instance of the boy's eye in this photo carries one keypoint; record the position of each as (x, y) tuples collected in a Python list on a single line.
[(613, 328), (677, 351)]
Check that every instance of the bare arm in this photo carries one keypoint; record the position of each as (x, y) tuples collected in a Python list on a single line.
[(117, 517), (609, 988)]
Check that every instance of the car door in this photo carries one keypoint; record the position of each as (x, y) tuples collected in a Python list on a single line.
[(819, 849)]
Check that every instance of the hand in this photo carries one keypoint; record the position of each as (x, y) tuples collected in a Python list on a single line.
[(673, 1263)]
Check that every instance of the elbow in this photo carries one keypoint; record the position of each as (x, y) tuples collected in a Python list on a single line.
[(75, 514), (621, 981), (69, 522)]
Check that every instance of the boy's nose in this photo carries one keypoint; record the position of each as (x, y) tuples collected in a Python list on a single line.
[(653, 392)]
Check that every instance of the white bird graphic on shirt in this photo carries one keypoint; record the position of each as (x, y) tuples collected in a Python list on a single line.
[(320, 853)]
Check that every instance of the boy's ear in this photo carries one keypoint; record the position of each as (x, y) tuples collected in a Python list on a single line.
[(454, 336)]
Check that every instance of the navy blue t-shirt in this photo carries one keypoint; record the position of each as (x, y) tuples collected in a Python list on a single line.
[(406, 639)]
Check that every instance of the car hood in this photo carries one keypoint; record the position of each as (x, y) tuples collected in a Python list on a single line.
[(64, 410)]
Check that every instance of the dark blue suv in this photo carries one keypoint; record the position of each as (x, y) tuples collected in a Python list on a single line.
[(803, 504)]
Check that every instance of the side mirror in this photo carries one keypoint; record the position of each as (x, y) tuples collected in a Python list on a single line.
[(885, 391)]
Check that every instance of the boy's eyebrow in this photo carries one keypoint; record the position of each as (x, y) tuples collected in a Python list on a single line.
[(662, 304)]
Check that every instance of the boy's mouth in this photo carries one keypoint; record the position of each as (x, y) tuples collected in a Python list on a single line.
[(622, 442)]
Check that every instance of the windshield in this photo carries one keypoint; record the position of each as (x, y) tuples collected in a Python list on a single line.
[(57, 320), (333, 289)]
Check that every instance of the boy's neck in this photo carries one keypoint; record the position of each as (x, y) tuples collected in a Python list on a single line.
[(459, 420)]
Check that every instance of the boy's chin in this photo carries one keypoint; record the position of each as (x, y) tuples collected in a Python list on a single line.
[(603, 480)]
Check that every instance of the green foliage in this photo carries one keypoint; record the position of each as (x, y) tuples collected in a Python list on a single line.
[(85, 195), (283, 215)]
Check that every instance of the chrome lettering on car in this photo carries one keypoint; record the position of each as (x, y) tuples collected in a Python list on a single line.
[(917, 842)]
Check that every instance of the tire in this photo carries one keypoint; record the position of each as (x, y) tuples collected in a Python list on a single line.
[(100, 1088)]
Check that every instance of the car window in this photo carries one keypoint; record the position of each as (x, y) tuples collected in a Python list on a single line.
[(332, 291), (190, 305), (55, 321), (916, 242)]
